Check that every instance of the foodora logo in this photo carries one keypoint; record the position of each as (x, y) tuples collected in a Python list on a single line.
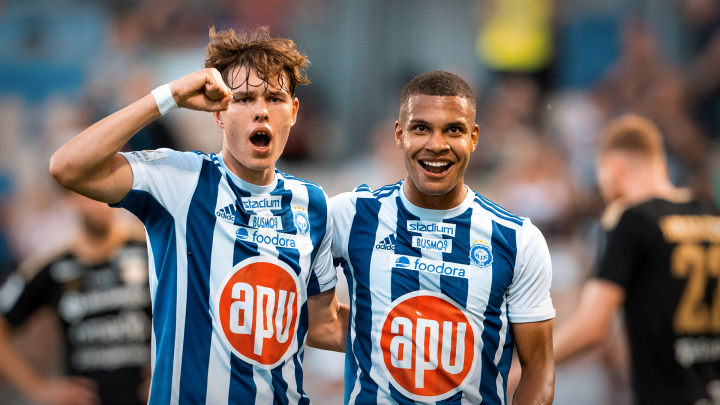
[(428, 346), (257, 307)]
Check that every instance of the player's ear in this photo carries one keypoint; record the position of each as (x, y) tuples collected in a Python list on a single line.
[(218, 119), (296, 106), (474, 136), (398, 134)]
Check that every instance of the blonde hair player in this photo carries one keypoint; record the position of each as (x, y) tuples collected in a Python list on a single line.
[(660, 263)]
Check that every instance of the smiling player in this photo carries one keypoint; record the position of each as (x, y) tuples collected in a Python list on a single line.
[(240, 265), (443, 282)]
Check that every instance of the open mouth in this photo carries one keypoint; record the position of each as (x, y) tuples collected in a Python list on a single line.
[(260, 139), (435, 167)]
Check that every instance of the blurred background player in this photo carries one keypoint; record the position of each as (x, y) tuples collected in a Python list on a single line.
[(241, 273), (660, 263), (444, 282), (98, 284)]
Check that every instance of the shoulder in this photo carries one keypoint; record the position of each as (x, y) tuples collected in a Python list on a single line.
[(42, 261), (316, 194), (498, 213), (364, 191), (292, 180), (166, 156)]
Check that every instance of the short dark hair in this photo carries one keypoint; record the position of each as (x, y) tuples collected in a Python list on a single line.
[(634, 134), (438, 83), (270, 56)]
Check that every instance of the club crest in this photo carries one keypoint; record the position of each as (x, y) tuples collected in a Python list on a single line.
[(302, 222), (481, 255)]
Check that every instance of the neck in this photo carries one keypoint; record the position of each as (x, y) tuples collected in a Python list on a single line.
[(639, 189), (93, 248), (451, 199), (258, 177)]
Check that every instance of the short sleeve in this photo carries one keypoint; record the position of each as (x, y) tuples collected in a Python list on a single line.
[(168, 176), (20, 298), (342, 208), (620, 255), (529, 295), (323, 269)]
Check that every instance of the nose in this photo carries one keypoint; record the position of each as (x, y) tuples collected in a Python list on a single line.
[(261, 112), (436, 142)]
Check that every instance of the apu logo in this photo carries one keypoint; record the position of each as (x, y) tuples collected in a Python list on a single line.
[(270, 202), (302, 222), (481, 255), (257, 308), (428, 346)]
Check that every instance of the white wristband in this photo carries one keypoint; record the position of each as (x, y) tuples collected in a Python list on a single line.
[(164, 99)]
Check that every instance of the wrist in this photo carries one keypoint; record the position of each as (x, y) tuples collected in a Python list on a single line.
[(164, 99)]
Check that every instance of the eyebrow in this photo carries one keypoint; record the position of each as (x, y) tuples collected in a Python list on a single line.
[(254, 91), (449, 124)]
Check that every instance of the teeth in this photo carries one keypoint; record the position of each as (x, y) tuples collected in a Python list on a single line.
[(261, 133), (435, 164)]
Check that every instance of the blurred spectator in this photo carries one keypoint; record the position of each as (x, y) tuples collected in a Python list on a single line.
[(98, 284)]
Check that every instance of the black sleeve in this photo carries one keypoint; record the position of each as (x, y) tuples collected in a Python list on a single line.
[(39, 291), (621, 250)]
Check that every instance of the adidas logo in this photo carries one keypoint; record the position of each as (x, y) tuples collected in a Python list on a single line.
[(229, 213), (387, 244)]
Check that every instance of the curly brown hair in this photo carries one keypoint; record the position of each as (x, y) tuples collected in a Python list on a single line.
[(228, 51)]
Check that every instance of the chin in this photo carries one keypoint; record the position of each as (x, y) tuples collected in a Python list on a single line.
[(434, 189)]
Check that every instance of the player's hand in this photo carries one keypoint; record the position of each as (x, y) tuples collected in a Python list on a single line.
[(66, 391), (204, 90)]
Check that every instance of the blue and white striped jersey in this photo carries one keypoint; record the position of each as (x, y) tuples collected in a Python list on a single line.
[(432, 293), (231, 266)]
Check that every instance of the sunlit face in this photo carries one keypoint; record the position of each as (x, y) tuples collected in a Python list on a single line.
[(256, 124), (437, 135)]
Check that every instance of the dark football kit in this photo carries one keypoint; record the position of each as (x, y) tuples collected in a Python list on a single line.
[(666, 255)]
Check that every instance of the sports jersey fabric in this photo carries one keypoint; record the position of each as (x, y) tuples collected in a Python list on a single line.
[(231, 267), (666, 256), (104, 315), (432, 293)]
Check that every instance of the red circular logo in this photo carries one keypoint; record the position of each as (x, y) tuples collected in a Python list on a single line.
[(257, 306), (428, 345)]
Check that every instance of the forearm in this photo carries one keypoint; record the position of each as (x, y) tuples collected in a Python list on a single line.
[(332, 333), (90, 153), (577, 335), (590, 323), (13, 366), (536, 387)]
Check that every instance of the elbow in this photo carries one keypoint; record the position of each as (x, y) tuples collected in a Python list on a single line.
[(597, 334), (61, 171)]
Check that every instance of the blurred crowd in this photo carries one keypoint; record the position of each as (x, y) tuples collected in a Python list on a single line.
[(67, 64)]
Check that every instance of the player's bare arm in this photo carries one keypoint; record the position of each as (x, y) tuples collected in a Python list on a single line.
[(534, 345), (89, 164), (590, 324), (57, 391), (328, 322)]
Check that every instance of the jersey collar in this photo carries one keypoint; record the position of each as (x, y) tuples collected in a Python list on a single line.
[(436, 215), (244, 185)]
